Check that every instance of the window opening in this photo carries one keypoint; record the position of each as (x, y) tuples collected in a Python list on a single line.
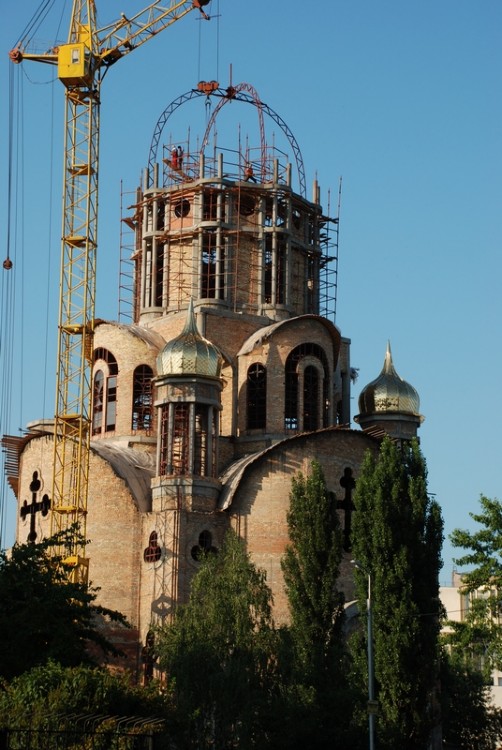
[(161, 207), (274, 271), (256, 397), (292, 388), (164, 440), (182, 208), (208, 275), (104, 393), (210, 205), (153, 552), (159, 274), (97, 402), (310, 398), (246, 205), (142, 401), (204, 546), (200, 466), (180, 450), (111, 403)]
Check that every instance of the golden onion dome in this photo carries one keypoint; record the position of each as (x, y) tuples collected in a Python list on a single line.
[(389, 393), (190, 353)]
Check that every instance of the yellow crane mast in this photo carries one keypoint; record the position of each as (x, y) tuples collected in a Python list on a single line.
[(81, 64)]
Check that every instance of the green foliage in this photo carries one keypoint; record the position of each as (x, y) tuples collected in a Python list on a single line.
[(469, 720), (50, 699), (478, 638), (311, 565), (397, 538), (314, 670), (52, 690), (219, 653), (45, 616)]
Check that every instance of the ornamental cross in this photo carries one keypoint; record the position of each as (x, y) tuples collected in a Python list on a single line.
[(348, 483), (42, 506)]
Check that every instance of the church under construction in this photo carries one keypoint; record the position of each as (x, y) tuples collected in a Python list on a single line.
[(224, 377)]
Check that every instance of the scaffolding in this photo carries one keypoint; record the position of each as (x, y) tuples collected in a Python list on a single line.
[(207, 228), (226, 226)]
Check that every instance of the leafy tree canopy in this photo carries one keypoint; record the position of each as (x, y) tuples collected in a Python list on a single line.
[(43, 614), (397, 537), (314, 661), (311, 566), (478, 638), (219, 652), (469, 719), (45, 694)]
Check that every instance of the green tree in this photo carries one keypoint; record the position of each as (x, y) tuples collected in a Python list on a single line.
[(52, 697), (397, 538), (315, 684), (469, 719), (478, 638), (219, 654), (45, 616)]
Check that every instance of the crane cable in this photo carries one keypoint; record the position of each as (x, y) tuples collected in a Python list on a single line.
[(35, 22), (7, 316), (12, 306)]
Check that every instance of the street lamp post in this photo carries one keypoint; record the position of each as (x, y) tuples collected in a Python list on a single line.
[(371, 663)]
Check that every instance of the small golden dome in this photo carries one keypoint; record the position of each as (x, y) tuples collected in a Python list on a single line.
[(389, 393), (190, 353)]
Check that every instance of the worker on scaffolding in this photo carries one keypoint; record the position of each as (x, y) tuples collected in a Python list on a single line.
[(249, 173), (174, 157)]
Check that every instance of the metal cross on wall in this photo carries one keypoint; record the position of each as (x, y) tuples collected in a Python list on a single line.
[(43, 506), (348, 483)]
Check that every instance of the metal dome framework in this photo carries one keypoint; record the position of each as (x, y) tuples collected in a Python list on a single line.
[(243, 92)]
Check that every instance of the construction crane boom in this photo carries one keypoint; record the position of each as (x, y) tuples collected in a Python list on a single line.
[(81, 63)]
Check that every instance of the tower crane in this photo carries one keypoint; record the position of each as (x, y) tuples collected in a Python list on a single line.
[(81, 65)]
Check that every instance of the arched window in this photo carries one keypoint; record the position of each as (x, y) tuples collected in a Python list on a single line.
[(204, 547), (256, 397), (153, 552), (142, 400), (306, 367), (104, 406)]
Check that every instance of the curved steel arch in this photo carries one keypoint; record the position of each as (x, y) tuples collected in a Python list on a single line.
[(159, 127), (233, 93), (239, 95)]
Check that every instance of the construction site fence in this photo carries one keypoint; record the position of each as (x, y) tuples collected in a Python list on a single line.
[(81, 739)]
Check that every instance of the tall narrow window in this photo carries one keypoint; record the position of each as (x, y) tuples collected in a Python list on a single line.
[(111, 403), (159, 274), (142, 398), (310, 398), (212, 266), (164, 441), (208, 274), (104, 408), (280, 278), (97, 402), (200, 459), (274, 271), (306, 381), (181, 439), (256, 397), (291, 395), (267, 270)]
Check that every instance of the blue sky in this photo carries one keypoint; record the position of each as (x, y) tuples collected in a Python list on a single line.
[(401, 99)]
